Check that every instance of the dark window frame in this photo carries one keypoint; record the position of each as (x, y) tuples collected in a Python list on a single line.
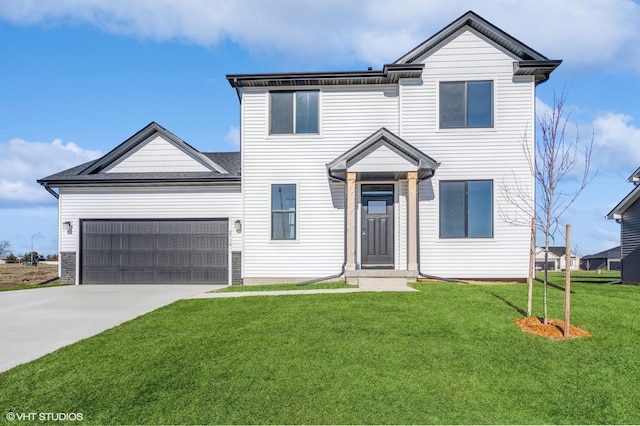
[(284, 213), (466, 213), (465, 105), (295, 124)]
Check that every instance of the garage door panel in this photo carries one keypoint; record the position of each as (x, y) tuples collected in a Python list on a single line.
[(155, 251)]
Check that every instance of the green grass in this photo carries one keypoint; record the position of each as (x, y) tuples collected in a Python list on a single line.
[(582, 277), (446, 355), (278, 287), (30, 286)]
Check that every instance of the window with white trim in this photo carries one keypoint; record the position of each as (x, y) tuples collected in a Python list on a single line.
[(466, 104), (283, 212), (293, 112), (466, 209)]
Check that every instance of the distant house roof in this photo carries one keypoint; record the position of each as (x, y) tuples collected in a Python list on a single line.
[(224, 166), (527, 61), (554, 251), (612, 253)]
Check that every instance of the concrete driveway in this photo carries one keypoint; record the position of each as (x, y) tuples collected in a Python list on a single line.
[(36, 322)]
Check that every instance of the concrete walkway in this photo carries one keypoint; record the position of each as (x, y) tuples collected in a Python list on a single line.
[(369, 286)]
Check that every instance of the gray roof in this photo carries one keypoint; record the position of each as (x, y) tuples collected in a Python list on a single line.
[(224, 166), (612, 253), (529, 62)]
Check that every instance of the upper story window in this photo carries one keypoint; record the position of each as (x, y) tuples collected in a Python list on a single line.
[(466, 104), (466, 209), (294, 112)]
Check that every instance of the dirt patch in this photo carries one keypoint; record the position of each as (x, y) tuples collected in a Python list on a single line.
[(554, 330), (14, 275)]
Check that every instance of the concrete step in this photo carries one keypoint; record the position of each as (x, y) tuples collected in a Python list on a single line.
[(383, 284)]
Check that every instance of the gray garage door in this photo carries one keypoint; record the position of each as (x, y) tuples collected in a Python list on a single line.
[(155, 251)]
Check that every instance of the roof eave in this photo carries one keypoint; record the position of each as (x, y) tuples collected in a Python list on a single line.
[(390, 74), (139, 181), (540, 69)]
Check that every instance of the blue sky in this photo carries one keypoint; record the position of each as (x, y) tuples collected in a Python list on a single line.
[(78, 77)]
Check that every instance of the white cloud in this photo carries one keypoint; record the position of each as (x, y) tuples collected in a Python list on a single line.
[(233, 137), (582, 32), (23, 162), (617, 141)]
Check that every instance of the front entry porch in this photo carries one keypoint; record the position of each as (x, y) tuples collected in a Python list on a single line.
[(381, 177)]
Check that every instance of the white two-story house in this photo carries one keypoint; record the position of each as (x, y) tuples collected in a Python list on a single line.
[(393, 172)]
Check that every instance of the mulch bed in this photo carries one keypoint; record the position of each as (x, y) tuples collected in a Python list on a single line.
[(554, 329)]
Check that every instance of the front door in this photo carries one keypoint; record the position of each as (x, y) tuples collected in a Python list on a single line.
[(377, 226)]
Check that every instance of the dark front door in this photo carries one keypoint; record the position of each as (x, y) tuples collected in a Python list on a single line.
[(377, 226)]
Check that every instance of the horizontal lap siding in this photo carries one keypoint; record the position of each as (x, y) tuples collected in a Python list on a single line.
[(465, 154), (347, 117), (631, 244), (147, 203), (157, 155)]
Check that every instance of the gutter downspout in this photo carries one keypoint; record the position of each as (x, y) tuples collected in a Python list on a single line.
[(420, 273), (344, 249)]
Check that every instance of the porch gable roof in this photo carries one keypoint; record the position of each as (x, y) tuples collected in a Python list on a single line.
[(424, 165)]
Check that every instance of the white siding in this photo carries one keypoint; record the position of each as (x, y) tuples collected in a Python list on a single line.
[(348, 115), (383, 159), (464, 154), (147, 203), (157, 155)]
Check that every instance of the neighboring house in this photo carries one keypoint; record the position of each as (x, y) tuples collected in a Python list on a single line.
[(627, 214), (556, 259), (376, 173), (608, 259)]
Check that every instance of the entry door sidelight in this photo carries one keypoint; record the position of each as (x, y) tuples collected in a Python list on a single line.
[(377, 226)]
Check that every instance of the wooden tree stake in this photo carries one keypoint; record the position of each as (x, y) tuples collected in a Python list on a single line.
[(567, 282)]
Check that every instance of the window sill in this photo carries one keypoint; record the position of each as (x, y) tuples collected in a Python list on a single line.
[(468, 129)]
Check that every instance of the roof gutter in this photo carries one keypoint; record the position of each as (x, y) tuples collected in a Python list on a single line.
[(48, 188)]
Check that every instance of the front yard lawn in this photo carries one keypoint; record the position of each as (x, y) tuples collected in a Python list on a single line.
[(449, 354)]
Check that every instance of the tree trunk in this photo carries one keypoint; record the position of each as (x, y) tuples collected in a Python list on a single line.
[(546, 276), (532, 267)]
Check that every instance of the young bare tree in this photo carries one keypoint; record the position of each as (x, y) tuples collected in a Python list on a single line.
[(552, 163), (4, 247)]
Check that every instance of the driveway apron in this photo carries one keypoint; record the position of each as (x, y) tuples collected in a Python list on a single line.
[(36, 322)]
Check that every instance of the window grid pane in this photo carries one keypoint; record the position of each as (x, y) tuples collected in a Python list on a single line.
[(452, 110), (452, 209), (307, 112), (479, 104), (281, 112)]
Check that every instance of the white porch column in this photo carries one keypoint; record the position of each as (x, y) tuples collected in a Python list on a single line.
[(351, 221), (412, 221)]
